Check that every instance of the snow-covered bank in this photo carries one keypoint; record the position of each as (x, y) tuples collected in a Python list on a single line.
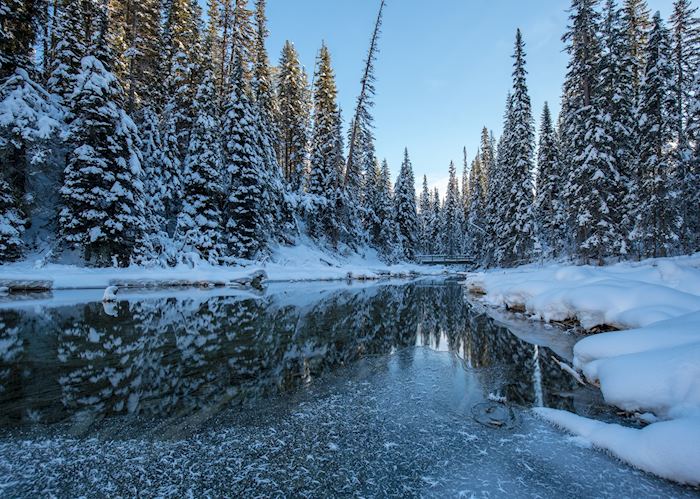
[(654, 367), (298, 263)]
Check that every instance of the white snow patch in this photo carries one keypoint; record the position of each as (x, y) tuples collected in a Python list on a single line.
[(652, 368), (670, 449)]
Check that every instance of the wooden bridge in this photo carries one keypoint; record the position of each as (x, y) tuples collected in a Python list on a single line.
[(445, 260)]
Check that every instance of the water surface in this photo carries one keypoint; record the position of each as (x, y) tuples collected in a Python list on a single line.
[(306, 389)]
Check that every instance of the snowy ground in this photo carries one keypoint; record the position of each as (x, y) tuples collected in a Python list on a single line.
[(651, 368), (298, 263)]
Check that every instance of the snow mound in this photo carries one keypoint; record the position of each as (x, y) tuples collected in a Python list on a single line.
[(627, 295), (652, 367), (669, 449)]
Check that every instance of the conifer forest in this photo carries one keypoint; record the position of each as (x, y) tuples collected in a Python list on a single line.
[(149, 133), (237, 258)]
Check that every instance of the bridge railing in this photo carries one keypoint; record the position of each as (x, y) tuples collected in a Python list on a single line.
[(444, 258)]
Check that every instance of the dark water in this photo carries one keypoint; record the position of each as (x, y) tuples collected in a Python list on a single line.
[(305, 390)]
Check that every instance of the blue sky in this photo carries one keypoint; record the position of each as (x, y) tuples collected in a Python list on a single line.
[(444, 67)]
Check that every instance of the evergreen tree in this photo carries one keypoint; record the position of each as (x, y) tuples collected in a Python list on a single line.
[(436, 222), (465, 202), (102, 191), (498, 190), (615, 94), (549, 212), (487, 161), (405, 208), (29, 123), (475, 221), (690, 176), (199, 222), (157, 169), (70, 49), (279, 211), (17, 35), (361, 138), (636, 25), (326, 153), (425, 215), (245, 212), (294, 117), (242, 46), (11, 224), (451, 213), (179, 67), (514, 238), (389, 238), (588, 147), (658, 220), (685, 57), (138, 43)]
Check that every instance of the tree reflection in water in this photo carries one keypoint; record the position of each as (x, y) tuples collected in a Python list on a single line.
[(164, 356)]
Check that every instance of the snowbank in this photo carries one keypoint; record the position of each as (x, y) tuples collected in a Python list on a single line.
[(669, 449), (298, 263), (652, 368), (626, 295)]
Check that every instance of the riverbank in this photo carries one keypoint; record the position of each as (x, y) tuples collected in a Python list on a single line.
[(649, 365), (298, 263)]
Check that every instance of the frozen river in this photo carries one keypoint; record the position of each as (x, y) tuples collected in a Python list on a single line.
[(310, 390)]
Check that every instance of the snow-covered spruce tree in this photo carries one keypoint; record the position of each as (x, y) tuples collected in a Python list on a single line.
[(657, 215), (498, 191), (475, 219), (70, 48), (690, 178), (405, 208), (294, 117), (29, 123), (616, 94), (435, 226), (636, 24), (515, 235), (583, 47), (549, 212), (392, 250), (157, 168), (588, 148), (451, 213), (326, 155), (137, 41), (487, 159), (685, 40), (179, 57), (425, 214), (280, 212), (378, 211), (361, 135), (371, 186), (245, 212), (103, 212), (465, 202), (214, 41), (199, 224), (241, 41), (262, 76), (17, 35), (11, 224), (685, 28)]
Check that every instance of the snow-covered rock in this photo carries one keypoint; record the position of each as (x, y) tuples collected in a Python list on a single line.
[(110, 294)]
